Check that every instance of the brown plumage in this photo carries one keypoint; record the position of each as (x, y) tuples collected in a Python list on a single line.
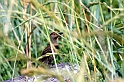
[(54, 39)]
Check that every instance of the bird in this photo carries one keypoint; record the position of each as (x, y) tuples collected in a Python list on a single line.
[(54, 40)]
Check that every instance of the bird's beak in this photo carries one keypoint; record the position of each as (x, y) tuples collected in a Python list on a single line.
[(61, 33)]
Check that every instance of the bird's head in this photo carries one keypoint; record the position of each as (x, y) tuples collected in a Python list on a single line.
[(54, 35)]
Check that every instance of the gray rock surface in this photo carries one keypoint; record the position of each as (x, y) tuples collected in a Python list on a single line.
[(66, 70)]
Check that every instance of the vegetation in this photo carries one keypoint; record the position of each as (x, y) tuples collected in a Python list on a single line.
[(93, 36)]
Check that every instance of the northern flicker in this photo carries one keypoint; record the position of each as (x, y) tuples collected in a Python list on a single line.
[(54, 40)]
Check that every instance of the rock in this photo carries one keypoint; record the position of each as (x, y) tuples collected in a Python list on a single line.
[(66, 70)]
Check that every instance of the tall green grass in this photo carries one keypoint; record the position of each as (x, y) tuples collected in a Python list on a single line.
[(93, 36)]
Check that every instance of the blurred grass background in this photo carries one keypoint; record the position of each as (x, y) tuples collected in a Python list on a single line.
[(93, 36)]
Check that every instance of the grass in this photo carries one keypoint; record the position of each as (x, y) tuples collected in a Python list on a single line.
[(93, 36)]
